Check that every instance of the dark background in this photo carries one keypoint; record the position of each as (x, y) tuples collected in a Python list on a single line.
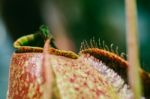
[(71, 22)]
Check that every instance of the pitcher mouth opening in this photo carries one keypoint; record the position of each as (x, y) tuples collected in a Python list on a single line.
[(34, 42)]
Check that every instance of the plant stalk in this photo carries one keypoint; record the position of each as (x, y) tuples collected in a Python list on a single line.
[(132, 46)]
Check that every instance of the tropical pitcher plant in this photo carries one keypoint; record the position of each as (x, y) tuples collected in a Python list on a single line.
[(39, 70)]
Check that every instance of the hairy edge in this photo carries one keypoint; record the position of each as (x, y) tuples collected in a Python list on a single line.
[(112, 60), (110, 75)]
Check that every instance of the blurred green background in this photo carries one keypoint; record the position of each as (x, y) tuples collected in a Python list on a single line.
[(71, 22)]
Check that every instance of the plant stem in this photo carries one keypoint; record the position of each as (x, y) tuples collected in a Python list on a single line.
[(132, 45)]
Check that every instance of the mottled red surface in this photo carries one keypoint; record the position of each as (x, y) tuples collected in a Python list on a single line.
[(74, 78), (26, 77)]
